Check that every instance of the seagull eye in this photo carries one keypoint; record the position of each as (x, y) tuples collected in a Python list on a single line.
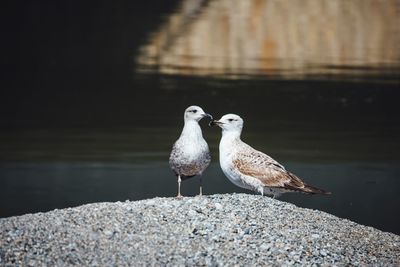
[(194, 110), (230, 119)]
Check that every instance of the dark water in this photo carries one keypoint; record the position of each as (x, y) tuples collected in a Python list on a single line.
[(82, 121)]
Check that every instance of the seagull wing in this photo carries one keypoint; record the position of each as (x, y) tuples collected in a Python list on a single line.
[(256, 164)]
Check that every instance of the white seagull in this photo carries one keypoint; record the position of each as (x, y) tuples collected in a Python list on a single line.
[(190, 155), (251, 169)]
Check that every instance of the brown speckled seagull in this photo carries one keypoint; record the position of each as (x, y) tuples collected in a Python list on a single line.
[(190, 155), (251, 169)]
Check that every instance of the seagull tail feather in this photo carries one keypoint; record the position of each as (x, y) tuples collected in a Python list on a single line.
[(314, 190), (297, 184)]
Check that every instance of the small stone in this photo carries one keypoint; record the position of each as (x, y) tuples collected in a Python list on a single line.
[(323, 252), (265, 246), (108, 232), (192, 213), (218, 206)]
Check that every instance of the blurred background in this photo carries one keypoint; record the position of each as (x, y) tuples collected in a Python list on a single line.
[(93, 93)]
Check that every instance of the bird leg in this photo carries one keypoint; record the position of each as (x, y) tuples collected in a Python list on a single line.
[(261, 190), (201, 186), (179, 187)]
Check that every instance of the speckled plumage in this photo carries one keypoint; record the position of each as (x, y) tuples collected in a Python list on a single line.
[(190, 154), (251, 169)]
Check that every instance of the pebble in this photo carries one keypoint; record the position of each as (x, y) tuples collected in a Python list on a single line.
[(215, 230), (218, 206)]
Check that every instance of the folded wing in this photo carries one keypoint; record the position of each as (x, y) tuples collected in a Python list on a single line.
[(272, 174)]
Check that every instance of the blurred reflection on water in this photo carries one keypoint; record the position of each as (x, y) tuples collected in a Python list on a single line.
[(357, 39), (75, 132)]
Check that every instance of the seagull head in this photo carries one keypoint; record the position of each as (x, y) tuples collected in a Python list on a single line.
[(195, 113), (229, 123)]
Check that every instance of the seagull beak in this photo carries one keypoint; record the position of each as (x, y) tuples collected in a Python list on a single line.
[(207, 115), (215, 122)]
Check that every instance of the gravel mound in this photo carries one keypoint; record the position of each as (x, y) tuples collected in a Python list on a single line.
[(216, 230)]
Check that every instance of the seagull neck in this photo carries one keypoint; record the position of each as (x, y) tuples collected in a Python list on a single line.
[(230, 136), (192, 128)]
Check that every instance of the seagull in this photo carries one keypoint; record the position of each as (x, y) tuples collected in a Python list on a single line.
[(190, 155), (251, 169)]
